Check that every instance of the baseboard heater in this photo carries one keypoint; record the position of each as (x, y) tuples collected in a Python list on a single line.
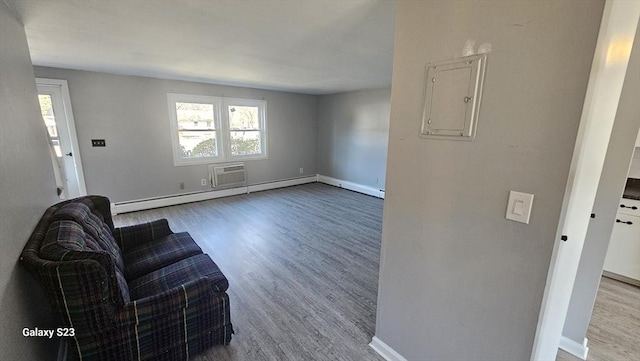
[(231, 180), (171, 200)]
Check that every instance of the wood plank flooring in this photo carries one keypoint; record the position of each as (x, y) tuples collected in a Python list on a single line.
[(302, 264), (614, 330)]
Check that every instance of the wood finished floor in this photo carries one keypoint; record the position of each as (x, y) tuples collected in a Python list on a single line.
[(614, 331), (302, 264)]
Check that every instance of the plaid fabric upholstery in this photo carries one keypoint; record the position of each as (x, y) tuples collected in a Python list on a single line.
[(132, 236), (67, 241), (86, 306), (151, 256), (172, 276), (154, 327), (76, 258), (97, 235)]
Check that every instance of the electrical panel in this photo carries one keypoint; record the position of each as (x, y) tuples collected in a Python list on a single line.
[(452, 95)]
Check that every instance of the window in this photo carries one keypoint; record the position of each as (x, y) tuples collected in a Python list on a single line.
[(46, 108), (208, 129)]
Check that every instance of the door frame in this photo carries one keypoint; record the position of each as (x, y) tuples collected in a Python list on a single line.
[(617, 29), (67, 122)]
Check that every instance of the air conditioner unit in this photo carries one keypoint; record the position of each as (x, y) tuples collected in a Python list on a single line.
[(228, 175)]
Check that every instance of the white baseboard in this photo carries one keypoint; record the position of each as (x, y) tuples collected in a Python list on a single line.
[(575, 348), (351, 186), (385, 351), (389, 354), (621, 278), (143, 204), (282, 184)]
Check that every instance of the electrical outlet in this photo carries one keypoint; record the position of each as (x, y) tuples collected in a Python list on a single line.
[(181, 185), (301, 170), (203, 182)]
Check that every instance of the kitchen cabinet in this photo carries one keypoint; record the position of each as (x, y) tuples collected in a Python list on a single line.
[(623, 256)]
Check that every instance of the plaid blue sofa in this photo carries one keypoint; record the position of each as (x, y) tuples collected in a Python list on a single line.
[(133, 293)]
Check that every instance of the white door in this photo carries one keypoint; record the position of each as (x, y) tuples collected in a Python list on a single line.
[(55, 105)]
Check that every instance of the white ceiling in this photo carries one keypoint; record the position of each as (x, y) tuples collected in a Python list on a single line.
[(306, 46)]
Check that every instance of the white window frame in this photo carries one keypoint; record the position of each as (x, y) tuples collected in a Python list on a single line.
[(262, 114), (222, 128)]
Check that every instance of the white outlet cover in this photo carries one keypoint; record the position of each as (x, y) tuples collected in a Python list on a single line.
[(519, 207)]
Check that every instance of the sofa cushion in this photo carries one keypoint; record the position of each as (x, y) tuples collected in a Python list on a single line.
[(161, 252), (192, 268)]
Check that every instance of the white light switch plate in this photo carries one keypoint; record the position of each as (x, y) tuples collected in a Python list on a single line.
[(519, 206)]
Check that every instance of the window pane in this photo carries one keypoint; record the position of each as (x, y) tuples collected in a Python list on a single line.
[(47, 114), (243, 117), (245, 142), (198, 144), (195, 116)]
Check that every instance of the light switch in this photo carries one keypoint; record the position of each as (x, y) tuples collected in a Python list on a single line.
[(98, 143), (519, 206)]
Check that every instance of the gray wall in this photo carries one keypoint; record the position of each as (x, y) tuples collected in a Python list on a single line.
[(353, 129), (131, 113), (610, 188), (27, 188), (457, 279)]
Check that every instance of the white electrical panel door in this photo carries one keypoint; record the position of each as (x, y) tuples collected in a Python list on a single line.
[(453, 89)]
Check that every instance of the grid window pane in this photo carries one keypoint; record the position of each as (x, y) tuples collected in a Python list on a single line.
[(208, 129), (195, 116), (197, 144), (243, 117), (245, 142)]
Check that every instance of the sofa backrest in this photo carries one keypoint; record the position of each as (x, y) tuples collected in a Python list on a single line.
[(75, 257), (78, 229)]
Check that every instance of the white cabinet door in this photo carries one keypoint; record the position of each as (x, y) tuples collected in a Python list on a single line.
[(629, 207), (623, 255)]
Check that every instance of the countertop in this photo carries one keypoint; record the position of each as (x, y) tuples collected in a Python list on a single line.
[(632, 189)]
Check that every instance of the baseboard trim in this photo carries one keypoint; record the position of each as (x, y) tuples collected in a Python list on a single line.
[(150, 203), (621, 278), (385, 351), (360, 188), (575, 348)]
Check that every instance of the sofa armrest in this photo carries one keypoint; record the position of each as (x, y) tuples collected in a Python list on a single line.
[(130, 236), (194, 293)]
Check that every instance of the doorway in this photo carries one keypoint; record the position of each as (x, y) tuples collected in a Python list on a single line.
[(55, 105), (611, 57)]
